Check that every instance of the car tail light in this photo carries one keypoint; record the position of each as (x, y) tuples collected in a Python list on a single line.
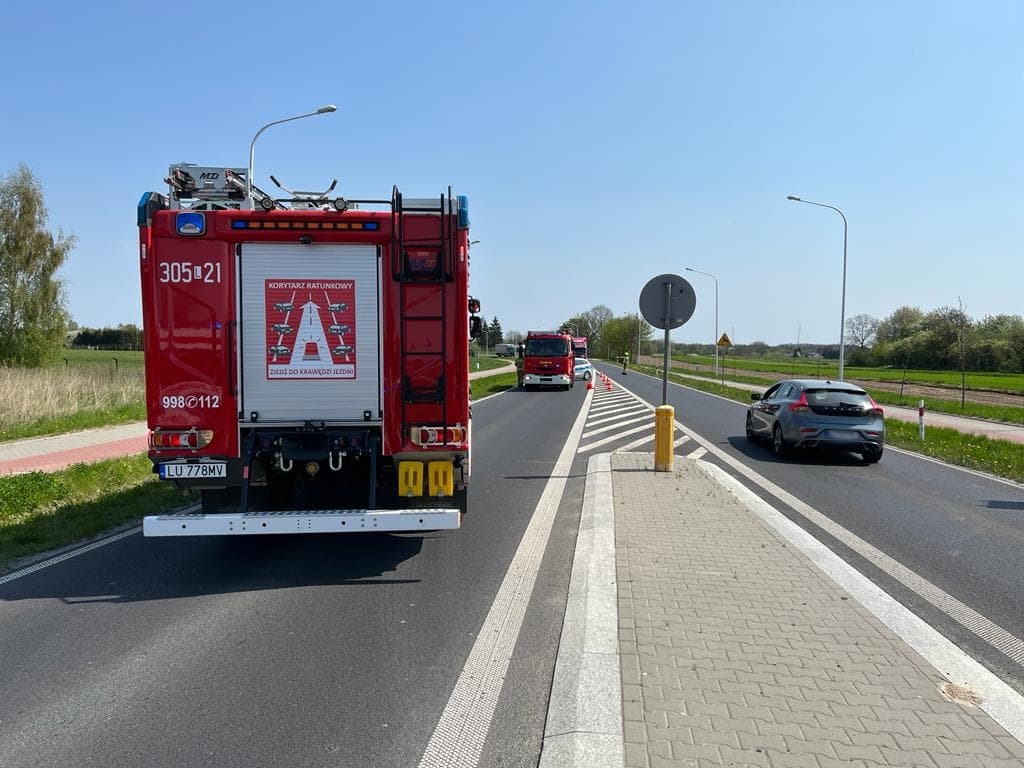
[(876, 409), (801, 404)]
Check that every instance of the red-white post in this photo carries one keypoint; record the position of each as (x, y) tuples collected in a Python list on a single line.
[(920, 419)]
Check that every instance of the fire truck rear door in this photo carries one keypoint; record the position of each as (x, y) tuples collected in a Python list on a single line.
[(310, 342)]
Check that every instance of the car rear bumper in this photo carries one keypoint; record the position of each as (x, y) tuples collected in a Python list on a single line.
[(842, 439)]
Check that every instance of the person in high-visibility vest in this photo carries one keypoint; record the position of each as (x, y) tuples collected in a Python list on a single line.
[(625, 360)]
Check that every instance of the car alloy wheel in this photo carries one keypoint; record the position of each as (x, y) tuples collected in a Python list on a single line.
[(778, 442), (751, 436)]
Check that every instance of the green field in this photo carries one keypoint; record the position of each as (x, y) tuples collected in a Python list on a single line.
[(797, 367), (104, 358)]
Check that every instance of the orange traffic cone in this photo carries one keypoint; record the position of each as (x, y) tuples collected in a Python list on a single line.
[(590, 384)]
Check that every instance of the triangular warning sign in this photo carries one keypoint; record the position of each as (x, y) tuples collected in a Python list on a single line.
[(724, 341)]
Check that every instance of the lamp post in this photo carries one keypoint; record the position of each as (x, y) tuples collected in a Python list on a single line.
[(325, 109), (688, 269), (842, 305)]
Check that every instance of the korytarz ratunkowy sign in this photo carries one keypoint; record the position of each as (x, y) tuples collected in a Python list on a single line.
[(311, 328)]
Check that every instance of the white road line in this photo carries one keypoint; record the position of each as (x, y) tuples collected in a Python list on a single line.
[(636, 444), (604, 419), (458, 739), (612, 405), (999, 700), (35, 567), (621, 422), (613, 438)]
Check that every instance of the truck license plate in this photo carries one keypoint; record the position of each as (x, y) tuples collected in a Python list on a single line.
[(206, 469)]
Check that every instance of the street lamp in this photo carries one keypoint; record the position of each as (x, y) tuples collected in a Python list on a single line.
[(325, 109), (842, 310), (688, 269)]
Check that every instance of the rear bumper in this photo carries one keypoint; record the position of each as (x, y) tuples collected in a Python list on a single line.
[(313, 521), (556, 380), (858, 441)]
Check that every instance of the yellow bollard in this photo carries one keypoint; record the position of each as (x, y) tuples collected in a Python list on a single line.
[(664, 437)]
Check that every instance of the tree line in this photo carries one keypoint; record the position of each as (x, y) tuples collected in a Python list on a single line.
[(942, 339), (122, 337)]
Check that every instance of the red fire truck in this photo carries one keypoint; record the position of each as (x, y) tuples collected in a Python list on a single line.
[(579, 346), (547, 361), (307, 363)]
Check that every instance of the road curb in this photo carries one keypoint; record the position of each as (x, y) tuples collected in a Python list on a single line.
[(584, 720)]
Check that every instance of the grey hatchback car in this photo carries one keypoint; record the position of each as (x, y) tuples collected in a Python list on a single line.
[(817, 413)]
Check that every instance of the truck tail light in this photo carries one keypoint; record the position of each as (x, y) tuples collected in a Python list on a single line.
[(440, 435), (180, 439)]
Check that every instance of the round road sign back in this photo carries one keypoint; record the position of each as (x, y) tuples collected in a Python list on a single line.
[(667, 301)]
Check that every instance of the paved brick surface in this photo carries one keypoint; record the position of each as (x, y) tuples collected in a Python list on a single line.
[(737, 651)]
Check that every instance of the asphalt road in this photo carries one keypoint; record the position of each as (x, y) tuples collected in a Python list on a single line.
[(292, 651), (345, 651)]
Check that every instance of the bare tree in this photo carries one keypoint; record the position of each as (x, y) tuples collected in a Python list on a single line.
[(861, 330)]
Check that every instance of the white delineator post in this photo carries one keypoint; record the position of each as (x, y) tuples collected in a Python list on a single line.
[(920, 419)]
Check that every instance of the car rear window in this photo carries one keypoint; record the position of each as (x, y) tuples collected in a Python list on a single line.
[(826, 397)]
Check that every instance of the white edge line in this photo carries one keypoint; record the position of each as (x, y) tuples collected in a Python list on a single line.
[(461, 731), (584, 721), (102, 542), (999, 700), (35, 567)]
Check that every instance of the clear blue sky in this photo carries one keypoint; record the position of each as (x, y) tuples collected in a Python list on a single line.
[(600, 144)]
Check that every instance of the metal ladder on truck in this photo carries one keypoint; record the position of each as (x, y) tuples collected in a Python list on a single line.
[(425, 262)]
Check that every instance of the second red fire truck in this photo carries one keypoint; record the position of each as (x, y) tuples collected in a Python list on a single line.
[(546, 361), (307, 364)]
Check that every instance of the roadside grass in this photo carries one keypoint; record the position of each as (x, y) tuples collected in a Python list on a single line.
[(87, 392), (44, 510), (995, 457), (1001, 458), (490, 385)]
